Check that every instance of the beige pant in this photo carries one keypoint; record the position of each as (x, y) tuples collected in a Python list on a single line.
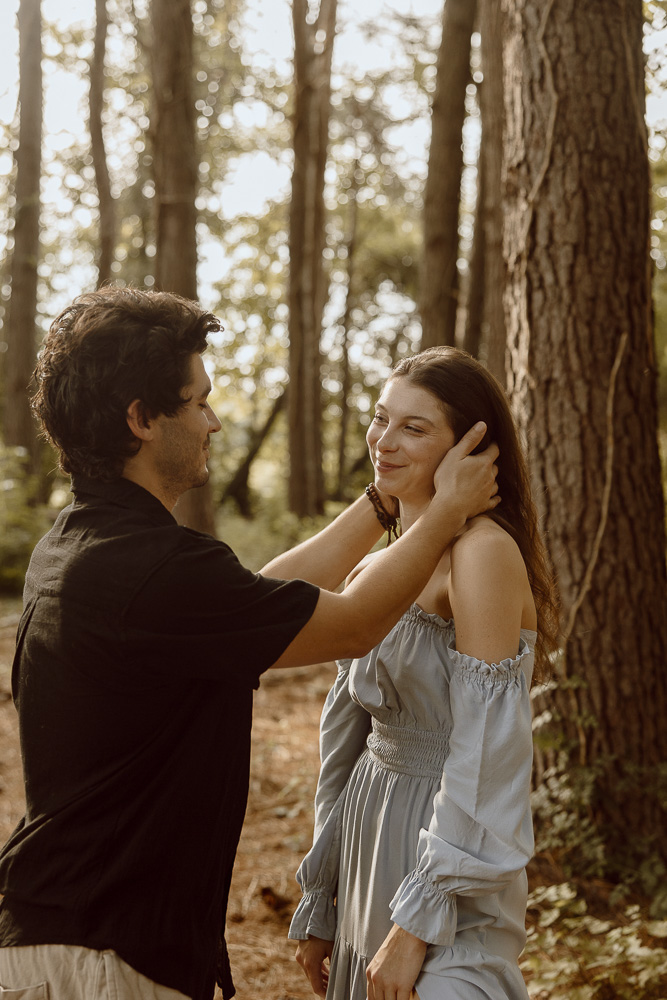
[(69, 972)]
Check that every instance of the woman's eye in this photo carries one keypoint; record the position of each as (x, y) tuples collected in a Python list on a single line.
[(417, 430), (379, 419)]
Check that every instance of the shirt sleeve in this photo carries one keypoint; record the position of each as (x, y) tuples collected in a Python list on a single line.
[(343, 731), (201, 612), (480, 836)]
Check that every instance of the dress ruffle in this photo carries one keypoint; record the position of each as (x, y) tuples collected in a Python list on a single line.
[(425, 909), (315, 915)]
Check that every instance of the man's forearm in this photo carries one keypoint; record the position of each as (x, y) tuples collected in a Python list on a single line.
[(330, 555)]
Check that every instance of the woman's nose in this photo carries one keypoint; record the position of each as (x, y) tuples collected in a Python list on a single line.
[(386, 441)]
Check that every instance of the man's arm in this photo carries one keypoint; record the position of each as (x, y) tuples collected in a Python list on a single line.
[(351, 623)]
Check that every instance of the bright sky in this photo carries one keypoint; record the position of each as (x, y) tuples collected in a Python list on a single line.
[(269, 38)]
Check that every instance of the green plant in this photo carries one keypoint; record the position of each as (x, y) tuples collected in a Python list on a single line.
[(22, 521)]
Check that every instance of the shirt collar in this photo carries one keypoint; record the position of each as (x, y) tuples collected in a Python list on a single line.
[(125, 493)]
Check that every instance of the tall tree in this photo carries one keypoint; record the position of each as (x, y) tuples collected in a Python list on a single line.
[(313, 49), (96, 106), (584, 391), (490, 207), (175, 164), (439, 284), (19, 427)]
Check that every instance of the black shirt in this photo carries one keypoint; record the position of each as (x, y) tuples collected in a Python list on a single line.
[(137, 653)]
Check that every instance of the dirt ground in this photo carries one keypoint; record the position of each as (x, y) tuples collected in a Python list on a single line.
[(278, 827)]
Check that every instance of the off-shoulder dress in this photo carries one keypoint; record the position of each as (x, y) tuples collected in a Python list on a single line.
[(422, 814)]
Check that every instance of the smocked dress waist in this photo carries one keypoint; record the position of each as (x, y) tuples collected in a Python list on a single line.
[(421, 752)]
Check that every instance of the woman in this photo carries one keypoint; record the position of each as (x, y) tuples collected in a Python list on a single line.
[(416, 883)]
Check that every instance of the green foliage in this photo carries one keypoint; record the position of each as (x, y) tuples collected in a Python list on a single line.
[(572, 954), (567, 829), (22, 522), (272, 530)]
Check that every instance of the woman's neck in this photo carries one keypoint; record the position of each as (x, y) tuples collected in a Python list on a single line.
[(410, 511)]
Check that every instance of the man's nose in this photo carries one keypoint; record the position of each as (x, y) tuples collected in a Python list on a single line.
[(214, 424)]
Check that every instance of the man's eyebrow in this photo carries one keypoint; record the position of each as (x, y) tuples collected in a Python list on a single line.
[(205, 391)]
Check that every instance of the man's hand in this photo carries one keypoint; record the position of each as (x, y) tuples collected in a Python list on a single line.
[(393, 972), (468, 482), (311, 955)]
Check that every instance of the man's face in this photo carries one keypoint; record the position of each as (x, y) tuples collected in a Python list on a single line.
[(183, 440)]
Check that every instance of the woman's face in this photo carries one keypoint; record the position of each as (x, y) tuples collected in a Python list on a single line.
[(408, 438)]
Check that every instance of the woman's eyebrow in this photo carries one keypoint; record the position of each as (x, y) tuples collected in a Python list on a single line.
[(415, 416)]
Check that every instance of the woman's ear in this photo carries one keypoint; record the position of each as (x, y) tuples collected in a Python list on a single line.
[(138, 421)]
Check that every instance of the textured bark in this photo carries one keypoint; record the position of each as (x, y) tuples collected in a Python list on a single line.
[(175, 159), (313, 48), (439, 284), (96, 105), (491, 157), (19, 427), (584, 383)]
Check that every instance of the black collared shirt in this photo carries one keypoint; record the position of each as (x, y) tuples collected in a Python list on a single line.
[(137, 653)]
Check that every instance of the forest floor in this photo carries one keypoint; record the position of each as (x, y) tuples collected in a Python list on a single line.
[(277, 833)]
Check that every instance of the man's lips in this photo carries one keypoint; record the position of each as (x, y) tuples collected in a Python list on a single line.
[(386, 466)]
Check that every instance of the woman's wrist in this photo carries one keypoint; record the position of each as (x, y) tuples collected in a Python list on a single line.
[(389, 502)]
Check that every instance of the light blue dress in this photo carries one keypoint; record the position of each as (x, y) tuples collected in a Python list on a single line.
[(422, 814)]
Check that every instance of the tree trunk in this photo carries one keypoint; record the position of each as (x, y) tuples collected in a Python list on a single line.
[(96, 102), (491, 215), (584, 387), (439, 285), (476, 293), (313, 48), (237, 489), (176, 163), (345, 376), (19, 427)]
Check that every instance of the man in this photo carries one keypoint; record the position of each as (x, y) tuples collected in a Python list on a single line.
[(138, 651)]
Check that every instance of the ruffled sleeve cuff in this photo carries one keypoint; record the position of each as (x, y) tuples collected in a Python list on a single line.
[(485, 675), (316, 915), (424, 909)]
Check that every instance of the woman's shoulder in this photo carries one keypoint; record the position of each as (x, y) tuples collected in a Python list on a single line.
[(483, 544)]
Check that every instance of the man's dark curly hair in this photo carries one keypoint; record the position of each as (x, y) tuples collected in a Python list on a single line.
[(105, 350)]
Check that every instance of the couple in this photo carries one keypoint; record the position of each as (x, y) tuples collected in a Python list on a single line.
[(141, 642)]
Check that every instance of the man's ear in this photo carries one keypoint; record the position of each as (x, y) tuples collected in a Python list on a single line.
[(138, 421)]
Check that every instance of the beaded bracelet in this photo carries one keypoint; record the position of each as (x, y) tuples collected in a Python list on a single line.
[(388, 521)]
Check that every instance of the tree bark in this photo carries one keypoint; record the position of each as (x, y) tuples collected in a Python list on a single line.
[(583, 385), (96, 104), (491, 203), (176, 163), (313, 48), (19, 427), (439, 284)]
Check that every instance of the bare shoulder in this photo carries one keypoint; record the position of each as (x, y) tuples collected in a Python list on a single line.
[(484, 543)]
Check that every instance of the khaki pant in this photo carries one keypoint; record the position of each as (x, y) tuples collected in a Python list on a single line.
[(69, 972)]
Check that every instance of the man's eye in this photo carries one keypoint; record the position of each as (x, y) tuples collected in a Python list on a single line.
[(417, 430), (379, 419)]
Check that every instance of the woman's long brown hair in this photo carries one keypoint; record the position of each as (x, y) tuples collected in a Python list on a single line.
[(468, 392)]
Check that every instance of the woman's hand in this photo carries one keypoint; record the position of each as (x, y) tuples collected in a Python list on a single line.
[(393, 972), (311, 955)]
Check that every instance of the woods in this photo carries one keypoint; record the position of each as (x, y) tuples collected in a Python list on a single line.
[(493, 181)]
